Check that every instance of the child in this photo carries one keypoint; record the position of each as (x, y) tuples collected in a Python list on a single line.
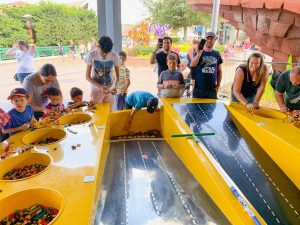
[(21, 116), (76, 96), (124, 82), (170, 81), (55, 108), (138, 100)]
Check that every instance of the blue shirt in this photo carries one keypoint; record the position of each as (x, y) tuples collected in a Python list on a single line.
[(207, 70), (19, 118), (138, 99)]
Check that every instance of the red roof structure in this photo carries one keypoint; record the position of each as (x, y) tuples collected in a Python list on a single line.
[(272, 24)]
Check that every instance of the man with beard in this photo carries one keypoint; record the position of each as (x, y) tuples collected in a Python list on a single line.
[(206, 69), (160, 57)]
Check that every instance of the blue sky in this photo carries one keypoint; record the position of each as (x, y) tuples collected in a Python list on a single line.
[(132, 10)]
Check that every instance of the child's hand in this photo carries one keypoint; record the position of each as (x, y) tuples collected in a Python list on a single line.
[(175, 86), (113, 91), (47, 112), (167, 85), (25, 126), (84, 103), (105, 90), (67, 110)]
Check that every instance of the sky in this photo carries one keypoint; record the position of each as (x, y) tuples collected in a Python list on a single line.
[(133, 11)]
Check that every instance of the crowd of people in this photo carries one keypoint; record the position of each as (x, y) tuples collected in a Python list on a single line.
[(41, 94)]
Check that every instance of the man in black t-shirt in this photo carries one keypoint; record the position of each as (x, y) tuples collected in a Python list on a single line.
[(161, 57), (206, 69)]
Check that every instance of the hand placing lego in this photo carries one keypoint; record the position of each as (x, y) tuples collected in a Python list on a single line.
[(105, 89), (113, 91), (175, 85)]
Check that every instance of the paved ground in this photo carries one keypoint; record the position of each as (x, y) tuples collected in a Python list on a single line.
[(72, 74)]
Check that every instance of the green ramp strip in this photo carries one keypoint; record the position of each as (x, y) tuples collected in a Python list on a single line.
[(191, 135)]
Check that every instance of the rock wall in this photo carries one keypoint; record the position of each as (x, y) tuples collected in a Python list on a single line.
[(272, 24)]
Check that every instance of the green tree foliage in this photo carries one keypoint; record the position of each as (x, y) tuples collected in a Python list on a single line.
[(52, 23), (176, 13)]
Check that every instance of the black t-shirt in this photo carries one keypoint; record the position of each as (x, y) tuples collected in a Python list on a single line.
[(206, 72), (249, 87), (161, 59)]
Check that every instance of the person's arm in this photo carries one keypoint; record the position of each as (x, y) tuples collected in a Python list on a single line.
[(280, 102), (127, 83), (88, 76), (10, 52), (261, 88), (129, 122), (190, 52), (160, 84), (219, 77), (237, 86), (153, 55), (32, 48), (195, 60), (16, 129)]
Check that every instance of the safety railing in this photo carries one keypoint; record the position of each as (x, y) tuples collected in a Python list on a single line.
[(40, 52)]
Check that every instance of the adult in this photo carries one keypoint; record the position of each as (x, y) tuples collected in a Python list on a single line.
[(37, 85), (81, 50), (206, 69), (72, 50), (192, 52), (24, 54), (138, 100), (250, 81), (160, 57), (288, 90), (100, 63)]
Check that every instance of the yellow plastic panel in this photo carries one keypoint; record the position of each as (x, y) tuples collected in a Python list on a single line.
[(69, 166), (23, 160), (142, 121), (279, 138), (75, 118), (297, 124), (269, 114), (42, 134), (196, 161), (28, 198)]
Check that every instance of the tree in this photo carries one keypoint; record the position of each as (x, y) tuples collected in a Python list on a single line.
[(176, 13), (51, 22)]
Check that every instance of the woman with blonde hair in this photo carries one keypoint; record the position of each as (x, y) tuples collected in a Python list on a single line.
[(250, 81)]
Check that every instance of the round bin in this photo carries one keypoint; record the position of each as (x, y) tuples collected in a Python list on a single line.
[(30, 197), (38, 137), (75, 118), (297, 124), (270, 114), (22, 160)]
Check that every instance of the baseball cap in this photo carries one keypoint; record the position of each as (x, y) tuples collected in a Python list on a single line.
[(210, 34), (18, 92), (152, 104)]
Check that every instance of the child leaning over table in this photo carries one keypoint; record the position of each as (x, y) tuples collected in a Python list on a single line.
[(55, 108), (76, 96), (21, 116)]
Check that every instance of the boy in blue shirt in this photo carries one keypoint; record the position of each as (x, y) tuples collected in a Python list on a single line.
[(21, 116), (139, 100)]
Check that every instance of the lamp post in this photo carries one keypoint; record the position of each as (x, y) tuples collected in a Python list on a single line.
[(28, 25)]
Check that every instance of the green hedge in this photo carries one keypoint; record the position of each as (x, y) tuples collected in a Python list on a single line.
[(140, 50), (51, 22)]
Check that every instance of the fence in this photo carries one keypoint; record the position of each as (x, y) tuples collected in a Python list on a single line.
[(40, 52)]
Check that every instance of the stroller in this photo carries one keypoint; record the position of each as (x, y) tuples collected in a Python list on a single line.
[(186, 91)]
